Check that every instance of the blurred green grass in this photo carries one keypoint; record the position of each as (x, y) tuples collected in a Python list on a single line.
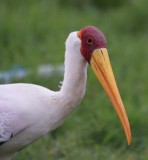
[(34, 32)]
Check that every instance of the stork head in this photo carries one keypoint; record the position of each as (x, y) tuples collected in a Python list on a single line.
[(93, 49)]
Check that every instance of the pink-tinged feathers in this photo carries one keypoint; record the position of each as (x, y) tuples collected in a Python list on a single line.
[(91, 39)]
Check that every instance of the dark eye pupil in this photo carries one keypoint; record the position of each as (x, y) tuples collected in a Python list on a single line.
[(89, 40)]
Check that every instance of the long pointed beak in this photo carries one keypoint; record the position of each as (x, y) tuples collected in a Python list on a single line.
[(100, 64)]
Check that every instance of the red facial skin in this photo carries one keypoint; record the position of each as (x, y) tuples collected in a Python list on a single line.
[(91, 39)]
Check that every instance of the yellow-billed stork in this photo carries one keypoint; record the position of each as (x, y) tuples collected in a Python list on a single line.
[(29, 111)]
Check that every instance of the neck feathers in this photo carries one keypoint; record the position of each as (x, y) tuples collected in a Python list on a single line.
[(74, 83)]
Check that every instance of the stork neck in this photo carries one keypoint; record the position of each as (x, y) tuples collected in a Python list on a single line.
[(74, 83)]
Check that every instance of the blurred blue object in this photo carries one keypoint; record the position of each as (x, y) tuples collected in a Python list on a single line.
[(16, 72)]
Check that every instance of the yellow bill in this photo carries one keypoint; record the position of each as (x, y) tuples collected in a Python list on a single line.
[(101, 66)]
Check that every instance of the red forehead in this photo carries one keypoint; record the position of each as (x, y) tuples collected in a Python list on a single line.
[(91, 31), (91, 38)]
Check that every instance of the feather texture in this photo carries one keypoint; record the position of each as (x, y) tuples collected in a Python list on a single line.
[(29, 111)]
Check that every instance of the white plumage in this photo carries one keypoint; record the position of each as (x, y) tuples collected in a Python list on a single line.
[(29, 111)]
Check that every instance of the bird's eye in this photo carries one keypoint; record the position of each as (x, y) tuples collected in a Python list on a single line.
[(90, 40)]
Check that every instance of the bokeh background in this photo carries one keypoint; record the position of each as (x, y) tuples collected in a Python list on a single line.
[(32, 37)]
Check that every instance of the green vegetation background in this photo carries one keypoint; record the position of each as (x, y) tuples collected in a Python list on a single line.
[(33, 32)]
